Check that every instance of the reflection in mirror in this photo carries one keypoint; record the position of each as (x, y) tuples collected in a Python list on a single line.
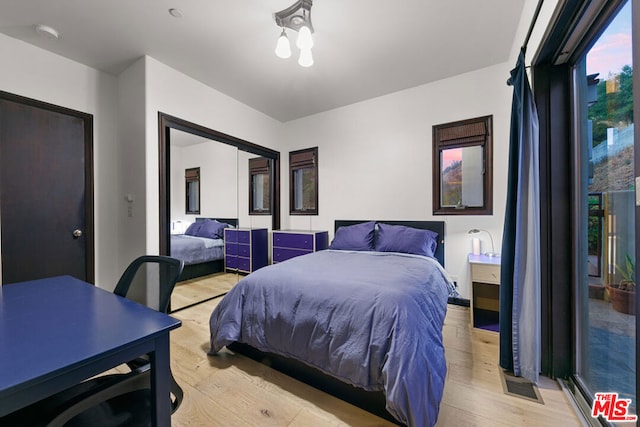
[(192, 192), (255, 192), (198, 239), (462, 167), (260, 170)]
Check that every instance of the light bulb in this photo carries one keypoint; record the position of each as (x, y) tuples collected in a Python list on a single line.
[(306, 58), (283, 49), (305, 41)]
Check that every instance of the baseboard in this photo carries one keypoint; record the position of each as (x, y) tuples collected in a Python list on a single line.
[(458, 301)]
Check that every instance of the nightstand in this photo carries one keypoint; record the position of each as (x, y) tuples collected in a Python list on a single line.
[(485, 292), (245, 249), (292, 243)]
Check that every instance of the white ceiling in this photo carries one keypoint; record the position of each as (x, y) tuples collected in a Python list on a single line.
[(363, 48)]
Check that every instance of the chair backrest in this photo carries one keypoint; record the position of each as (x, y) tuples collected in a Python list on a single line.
[(150, 280)]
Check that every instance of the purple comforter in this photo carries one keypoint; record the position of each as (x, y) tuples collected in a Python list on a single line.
[(371, 319), (196, 250)]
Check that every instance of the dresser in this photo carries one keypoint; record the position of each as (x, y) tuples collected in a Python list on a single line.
[(292, 243), (485, 292), (245, 249)]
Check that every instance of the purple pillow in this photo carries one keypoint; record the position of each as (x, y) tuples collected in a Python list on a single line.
[(193, 229), (358, 237), (211, 229), (399, 238)]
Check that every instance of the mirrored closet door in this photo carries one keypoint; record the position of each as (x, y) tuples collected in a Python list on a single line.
[(216, 190), (204, 201)]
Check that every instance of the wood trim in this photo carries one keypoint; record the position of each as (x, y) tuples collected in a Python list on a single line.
[(486, 142), (299, 159), (260, 166), (87, 119), (552, 96)]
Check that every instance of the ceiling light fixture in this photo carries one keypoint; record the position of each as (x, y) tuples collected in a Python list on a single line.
[(296, 17), (283, 48)]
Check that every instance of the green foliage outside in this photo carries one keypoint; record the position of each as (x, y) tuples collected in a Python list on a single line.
[(452, 184), (613, 109)]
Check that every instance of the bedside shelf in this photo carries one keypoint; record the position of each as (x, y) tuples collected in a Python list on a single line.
[(485, 292)]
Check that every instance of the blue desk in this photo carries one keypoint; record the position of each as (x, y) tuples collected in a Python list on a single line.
[(57, 332)]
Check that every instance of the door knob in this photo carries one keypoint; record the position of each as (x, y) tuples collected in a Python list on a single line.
[(77, 233)]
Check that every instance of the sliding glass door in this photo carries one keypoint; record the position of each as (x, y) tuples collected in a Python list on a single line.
[(605, 249)]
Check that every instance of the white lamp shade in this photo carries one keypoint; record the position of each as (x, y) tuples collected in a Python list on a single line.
[(305, 41), (283, 49), (306, 58)]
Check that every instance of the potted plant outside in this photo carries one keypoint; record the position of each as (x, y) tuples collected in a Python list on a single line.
[(623, 294)]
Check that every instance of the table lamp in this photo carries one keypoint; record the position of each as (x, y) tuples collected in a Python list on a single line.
[(489, 254)]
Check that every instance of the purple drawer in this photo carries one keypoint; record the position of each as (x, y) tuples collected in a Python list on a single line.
[(244, 236), (293, 240), (231, 248), (230, 235), (244, 264), (231, 262), (244, 251), (282, 254)]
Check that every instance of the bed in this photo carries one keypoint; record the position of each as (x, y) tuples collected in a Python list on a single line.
[(201, 247), (365, 314)]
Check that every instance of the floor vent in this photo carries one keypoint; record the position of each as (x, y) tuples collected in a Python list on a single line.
[(520, 387)]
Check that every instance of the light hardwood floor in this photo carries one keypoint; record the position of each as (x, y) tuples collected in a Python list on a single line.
[(232, 390), (193, 291)]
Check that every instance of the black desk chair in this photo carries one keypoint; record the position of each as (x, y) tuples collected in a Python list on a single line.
[(115, 399)]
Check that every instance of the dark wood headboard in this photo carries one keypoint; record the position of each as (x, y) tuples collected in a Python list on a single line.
[(437, 226), (230, 221)]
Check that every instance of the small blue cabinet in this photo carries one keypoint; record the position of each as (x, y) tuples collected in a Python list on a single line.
[(292, 243), (245, 249)]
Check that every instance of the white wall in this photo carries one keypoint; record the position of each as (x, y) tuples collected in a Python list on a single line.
[(375, 158), (218, 163), (176, 94), (131, 197), (35, 73)]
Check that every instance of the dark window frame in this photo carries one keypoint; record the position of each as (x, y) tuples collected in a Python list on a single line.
[(260, 166), (460, 134), (303, 159), (191, 175)]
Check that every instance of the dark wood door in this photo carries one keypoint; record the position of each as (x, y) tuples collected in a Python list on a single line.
[(46, 194)]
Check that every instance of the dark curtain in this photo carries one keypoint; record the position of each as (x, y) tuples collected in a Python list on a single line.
[(520, 260)]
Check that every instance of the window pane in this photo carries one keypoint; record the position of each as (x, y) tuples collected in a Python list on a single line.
[(304, 181), (606, 329), (260, 190), (192, 197), (303, 177), (462, 183), (462, 165)]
